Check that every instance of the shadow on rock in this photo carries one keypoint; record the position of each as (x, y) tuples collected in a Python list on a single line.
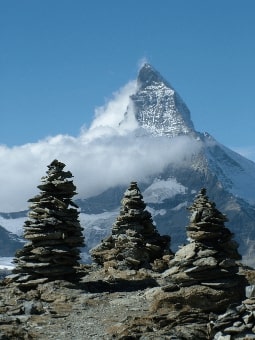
[(118, 285)]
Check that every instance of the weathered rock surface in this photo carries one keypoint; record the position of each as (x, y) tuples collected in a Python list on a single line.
[(238, 322), (110, 304), (94, 308), (203, 279), (206, 269), (201, 296), (53, 231), (134, 242)]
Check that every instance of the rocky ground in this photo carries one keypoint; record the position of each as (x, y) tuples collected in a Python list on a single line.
[(95, 308), (136, 287), (104, 305)]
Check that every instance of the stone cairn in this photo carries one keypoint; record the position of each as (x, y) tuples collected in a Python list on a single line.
[(134, 242), (53, 231), (205, 271)]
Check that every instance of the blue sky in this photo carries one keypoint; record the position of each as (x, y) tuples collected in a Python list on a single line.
[(60, 59), (61, 62)]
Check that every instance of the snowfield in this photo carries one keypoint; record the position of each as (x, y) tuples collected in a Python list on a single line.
[(160, 190), (6, 263)]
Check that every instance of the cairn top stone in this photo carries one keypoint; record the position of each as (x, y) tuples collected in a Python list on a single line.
[(204, 210)]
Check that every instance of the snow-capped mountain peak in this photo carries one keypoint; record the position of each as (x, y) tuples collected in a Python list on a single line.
[(120, 147), (157, 106), (149, 104), (148, 76)]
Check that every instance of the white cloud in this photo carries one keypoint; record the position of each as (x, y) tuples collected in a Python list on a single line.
[(111, 114), (107, 154), (142, 61), (119, 159)]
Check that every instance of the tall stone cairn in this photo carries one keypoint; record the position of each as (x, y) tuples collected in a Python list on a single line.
[(53, 231), (134, 242), (204, 273), (207, 227)]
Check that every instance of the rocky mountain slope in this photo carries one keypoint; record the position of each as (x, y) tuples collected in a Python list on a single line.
[(161, 115)]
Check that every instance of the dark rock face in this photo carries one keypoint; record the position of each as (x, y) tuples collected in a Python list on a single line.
[(53, 231), (134, 242)]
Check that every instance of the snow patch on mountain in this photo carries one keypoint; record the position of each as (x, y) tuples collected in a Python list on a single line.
[(234, 171), (97, 226), (160, 117), (180, 206), (13, 225), (158, 107), (6, 263), (89, 219), (155, 212), (161, 190)]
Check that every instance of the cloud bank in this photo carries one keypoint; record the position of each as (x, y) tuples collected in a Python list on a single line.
[(109, 153)]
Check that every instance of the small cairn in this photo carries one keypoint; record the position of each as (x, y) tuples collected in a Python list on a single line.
[(134, 242), (53, 231), (205, 270)]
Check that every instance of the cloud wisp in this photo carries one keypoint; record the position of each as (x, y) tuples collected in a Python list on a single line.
[(109, 153)]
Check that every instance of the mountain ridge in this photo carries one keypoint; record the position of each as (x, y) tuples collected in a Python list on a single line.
[(229, 177)]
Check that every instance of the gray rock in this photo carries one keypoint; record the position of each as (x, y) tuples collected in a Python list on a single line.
[(206, 262), (53, 231), (186, 252), (135, 242)]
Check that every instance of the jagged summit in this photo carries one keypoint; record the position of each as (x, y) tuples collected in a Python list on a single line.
[(148, 75), (158, 107)]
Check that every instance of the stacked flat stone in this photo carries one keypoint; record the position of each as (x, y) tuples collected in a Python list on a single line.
[(238, 322), (207, 227), (207, 265), (53, 231), (134, 242)]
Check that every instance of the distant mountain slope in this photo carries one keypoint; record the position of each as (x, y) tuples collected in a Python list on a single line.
[(161, 114), (9, 243)]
